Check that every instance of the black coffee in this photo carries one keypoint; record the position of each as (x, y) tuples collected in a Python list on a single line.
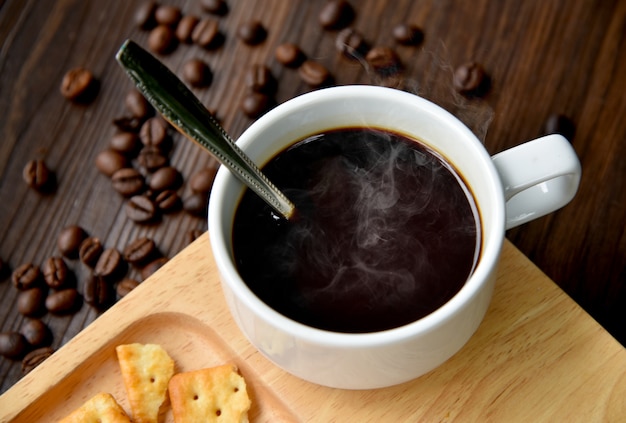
[(387, 232)]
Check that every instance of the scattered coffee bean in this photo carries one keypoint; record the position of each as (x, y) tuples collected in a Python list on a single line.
[(55, 272), (37, 175), (13, 345), (98, 292), (167, 15), (167, 201), (125, 143), (110, 161), (290, 55), (36, 332), (167, 177), (128, 124), (192, 235), (206, 34), (185, 28), (26, 276), (259, 78), (137, 104), (125, 286), (351, 43), (314, 73), (64, 301), (197, 73), (144, 15), (140, 251), (471, 79), (384, 61), (408, 34), (560, 124), (32, 302), (202, 180), (69, 240), (35, 358), (141, 209), (90, 250), (109, 264), (153, 132), (151, 158), (336, 14), (196, 204), (152, 267), (252, 32), (216, 7), (254, 104), (128, 181), (79, 85), (162, 39)]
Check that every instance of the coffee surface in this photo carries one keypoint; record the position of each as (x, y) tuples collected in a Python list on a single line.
[(386, 232)]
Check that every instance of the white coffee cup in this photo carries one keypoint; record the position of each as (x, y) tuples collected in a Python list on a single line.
[(510, 188)]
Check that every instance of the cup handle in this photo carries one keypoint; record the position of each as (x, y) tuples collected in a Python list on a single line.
[(538, 177)]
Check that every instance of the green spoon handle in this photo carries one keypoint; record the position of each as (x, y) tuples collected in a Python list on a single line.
[(184, 111)]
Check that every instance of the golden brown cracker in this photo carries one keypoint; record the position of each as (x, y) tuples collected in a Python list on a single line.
[(146, 370), (101, 408), (216, 394)]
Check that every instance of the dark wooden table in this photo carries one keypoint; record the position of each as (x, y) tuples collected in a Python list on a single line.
[(544, 58)]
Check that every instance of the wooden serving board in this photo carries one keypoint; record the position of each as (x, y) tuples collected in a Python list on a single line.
[(536, 357)]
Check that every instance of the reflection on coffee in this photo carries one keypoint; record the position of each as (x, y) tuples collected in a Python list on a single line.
[(387, 232)]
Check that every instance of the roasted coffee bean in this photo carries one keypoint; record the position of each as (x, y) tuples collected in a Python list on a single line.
[(192, 235), (32, 302), (162, 39), (55, 272), (351, 43), (252, 32), (216, 7), (167, 15), (196, 204), (140, 251), (165, 178), (36, 174), (290, 55), (471, 79), (206, 34), (36, 332), (128, 181), (137, 104), (202, 180), (144, 15), (384, 61), (259, 78), (64, 301), (126, 143), (35, 358), (314, 73), (197, 73), (109, 263), (79, 85), (125, 286), (26, 276), (69, 240), (110, 161), (13, 345), (141, 209), (254, 104), (90, 250), (185, 28), (336, 14), (560, 124), (128, 124), (408, 34), (152, 267), (168, 201), (153, 132), (151, 158), (99, 293)]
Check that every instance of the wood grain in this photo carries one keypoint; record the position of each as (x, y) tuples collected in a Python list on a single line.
[(543, 57)]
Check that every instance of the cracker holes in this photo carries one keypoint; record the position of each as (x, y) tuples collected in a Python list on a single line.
[(152, 379), (195, 397), (218, 412)]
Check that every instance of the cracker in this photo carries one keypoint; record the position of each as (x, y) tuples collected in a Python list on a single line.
[(216, 394), (146, 370), (101, 408)]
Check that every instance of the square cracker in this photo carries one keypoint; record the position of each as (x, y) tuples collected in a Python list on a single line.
[(216, 394), (146, 370), (101, 408)]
